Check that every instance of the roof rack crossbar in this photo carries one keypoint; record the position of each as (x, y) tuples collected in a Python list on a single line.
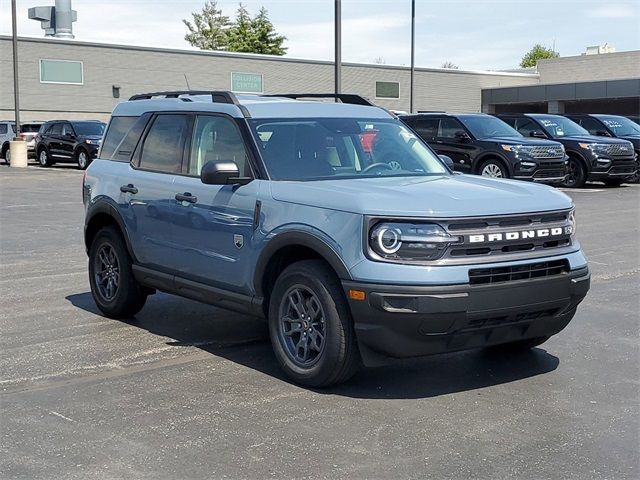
[(350, 98), (217, 96)]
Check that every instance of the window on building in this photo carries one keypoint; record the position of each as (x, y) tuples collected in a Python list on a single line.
[(61, 71), (163, 147), (216, 139), (387, 90)]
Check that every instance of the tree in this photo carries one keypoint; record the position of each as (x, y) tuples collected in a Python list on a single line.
[(210, 29), (450, 64), (379, 60), (213, 31), (538, 52)]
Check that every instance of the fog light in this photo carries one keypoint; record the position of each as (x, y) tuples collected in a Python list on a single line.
[(527, 164)]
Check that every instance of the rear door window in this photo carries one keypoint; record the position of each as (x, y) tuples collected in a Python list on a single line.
[(3, 129), (56, 129), (164, 144)]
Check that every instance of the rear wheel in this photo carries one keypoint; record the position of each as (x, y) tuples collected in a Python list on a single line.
[(114, 289), (311, 327), (494, 169), (6, 153), (43, 158), (576, 174)]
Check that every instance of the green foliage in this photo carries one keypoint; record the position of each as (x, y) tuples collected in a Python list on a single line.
[(213, 31), (538, 52)]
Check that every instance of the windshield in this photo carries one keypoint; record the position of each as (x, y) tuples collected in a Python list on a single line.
[(312, 149), (89, 129), (561, 127), (486, 127), (621, 126)]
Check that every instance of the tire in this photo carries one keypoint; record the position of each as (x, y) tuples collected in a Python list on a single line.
[(5, 152), (576, 174), (493, 169), (331, 354), (520, 345), (82, 159), (125, 297), (43, 158), (613, 182)]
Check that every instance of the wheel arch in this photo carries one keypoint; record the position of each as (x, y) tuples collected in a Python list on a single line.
[(492, 156), (287, 248), (581, 159), (100, 215)]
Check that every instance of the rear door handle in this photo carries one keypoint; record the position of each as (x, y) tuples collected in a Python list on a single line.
[(186, 197), (128, 189)]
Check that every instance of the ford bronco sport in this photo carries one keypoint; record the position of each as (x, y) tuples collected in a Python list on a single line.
[(333, 221)]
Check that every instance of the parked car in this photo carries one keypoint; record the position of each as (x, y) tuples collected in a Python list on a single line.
[(28, 131), (482, 144), (334, 221), (604, 125), (609, 160), (69, 141)]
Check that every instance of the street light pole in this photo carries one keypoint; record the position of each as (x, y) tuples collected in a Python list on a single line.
[(413, 53), (338, 46), (16, 94)]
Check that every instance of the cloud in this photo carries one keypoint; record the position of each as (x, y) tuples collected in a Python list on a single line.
[(613, 11)]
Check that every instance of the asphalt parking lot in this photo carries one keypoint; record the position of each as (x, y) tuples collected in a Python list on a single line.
[(190, 391)]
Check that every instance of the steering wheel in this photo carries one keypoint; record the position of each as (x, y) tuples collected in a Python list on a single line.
[(373, 166)]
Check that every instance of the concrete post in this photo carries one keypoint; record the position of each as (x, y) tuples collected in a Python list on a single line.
[(556, 107), (18, 152)]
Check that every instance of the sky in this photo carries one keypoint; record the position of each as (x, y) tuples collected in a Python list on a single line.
[(473, 34)]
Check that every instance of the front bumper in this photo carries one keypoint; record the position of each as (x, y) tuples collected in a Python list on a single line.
[(613, 168), (408, 321), (550, 172)]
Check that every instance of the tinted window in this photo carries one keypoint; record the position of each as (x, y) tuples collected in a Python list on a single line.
[(487, 127), (163, 146), (592, 125), (67, 129), (448, 127), (56, 129), (309, 149), (118, 129), (217, 139), (3, 129), (89, 129), (30, 127), (525, 126), (427, 128)]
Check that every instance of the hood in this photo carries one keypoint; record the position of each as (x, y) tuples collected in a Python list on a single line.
[(592, 139), (442, 196), (523, 141), (90, 137), (635, 139)]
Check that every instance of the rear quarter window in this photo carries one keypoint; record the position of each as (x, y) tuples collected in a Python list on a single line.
[(123, 134)]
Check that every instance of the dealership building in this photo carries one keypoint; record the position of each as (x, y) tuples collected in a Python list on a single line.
[(81, 80)]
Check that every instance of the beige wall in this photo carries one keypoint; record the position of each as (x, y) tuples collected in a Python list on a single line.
[(139, 70), (590, 68)]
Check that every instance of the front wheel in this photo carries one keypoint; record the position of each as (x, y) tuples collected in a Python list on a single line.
[(493, 169), (311, 327), (82, 158), (43, 158), (114, 289), (576, 174), (5, 152)]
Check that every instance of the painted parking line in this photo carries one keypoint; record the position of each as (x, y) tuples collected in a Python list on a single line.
[(581, 190)]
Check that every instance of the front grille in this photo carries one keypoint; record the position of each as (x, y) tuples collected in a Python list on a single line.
[(484, 276), (618, 150), (481, 237), (622, 169), (547, 152)]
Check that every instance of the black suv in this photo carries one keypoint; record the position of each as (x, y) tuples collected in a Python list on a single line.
[(610, 160), (69, 141), (482, 144), (604, 125)]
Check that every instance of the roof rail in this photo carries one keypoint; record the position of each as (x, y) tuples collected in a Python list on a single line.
[(217, 96), (351, 98)]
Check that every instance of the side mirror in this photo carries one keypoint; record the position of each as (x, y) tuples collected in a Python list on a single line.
[(462, 136), (537, 134), (447, 161), (222, 173)]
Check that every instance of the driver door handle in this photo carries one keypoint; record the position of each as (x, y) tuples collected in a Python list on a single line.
[(186, 197), (130, 188)]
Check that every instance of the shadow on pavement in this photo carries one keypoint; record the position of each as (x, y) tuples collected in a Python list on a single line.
[(245, 340)]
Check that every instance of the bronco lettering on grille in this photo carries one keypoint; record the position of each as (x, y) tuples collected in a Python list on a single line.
[(520, 235)]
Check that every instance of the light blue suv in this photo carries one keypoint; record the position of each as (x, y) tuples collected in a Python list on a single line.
[(333, 221)]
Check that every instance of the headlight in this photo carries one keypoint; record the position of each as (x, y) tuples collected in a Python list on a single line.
[(523, 150), (88, 142), (572, 222), (409, 241)]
